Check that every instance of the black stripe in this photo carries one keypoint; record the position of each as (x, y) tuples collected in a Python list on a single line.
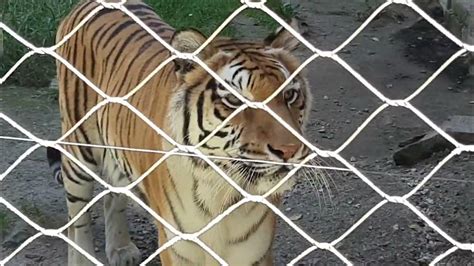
[(139, 6), (248, 81), (234, 140), (120, 28), (272, 67), (220, 134), (211, 84), (176, 192), (146, 64), (254, 228), (96, 33), (209, 147), (200, 114), (157, 23), (78, 18), (72, 198), (199, 203), (238, 63), (214, 96), (97, 16), (78, 173), (127, 71), (117, 56), (173, 213), (181, 257), (122, 48), (263, 257), (80, 225), (226, 145), (218, 114), (243, 68), (69, 176), (102, 35), (186, 115), (146, 45), (240, 84), (141, 14)]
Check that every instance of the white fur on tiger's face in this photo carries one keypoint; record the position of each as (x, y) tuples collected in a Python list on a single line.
[(256, 73)]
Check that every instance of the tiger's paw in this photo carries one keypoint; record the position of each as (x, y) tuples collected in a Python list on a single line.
[(127, 255)]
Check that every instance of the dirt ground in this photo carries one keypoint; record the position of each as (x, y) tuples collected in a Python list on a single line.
[(396, 55)]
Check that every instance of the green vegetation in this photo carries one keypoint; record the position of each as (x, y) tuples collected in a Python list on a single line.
[(4, 222), (37, 20), (33, 212)]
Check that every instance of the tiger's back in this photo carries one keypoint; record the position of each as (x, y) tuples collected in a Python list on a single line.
[(116, 54)]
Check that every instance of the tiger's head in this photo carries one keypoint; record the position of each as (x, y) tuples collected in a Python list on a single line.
[(255, 70)]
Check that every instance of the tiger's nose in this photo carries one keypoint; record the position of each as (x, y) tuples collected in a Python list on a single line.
[(285, 151)]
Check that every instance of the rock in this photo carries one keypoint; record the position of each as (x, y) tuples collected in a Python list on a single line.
[(296, 217), (414, 227), (35, 257), (423, 146)]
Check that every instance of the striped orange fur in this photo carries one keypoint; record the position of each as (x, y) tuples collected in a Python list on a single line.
[(116, 54)]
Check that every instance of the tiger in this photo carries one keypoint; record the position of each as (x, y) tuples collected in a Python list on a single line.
[(116, 54)]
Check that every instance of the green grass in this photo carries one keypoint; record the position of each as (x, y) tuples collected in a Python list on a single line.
[(4, 222), (33, 212), (37, 20)]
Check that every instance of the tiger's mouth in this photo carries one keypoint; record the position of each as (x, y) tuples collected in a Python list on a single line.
[(255, 172)]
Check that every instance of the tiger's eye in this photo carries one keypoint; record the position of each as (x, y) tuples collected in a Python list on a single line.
[(231, 101), (291, 95)]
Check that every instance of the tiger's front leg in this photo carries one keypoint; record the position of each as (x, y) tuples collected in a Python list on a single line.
[(120, 249), (79, 189)]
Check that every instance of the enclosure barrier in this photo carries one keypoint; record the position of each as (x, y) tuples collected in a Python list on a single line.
[(194, 150)]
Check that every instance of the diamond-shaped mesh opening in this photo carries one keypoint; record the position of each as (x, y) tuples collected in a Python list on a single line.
[(25, 103), (445, 206), (195, 152), (287, 242), (42, 250), (402, 238), (17, 184), (394, 160), (339, 107), (369, 51), (454, 92), (29, 70), (13, 231), (429, 48), (459, 257)]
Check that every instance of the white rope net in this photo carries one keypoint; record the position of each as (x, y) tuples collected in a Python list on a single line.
[(194, 150)]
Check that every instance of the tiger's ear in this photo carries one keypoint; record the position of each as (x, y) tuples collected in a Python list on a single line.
[(188, 41), (282, 38)]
